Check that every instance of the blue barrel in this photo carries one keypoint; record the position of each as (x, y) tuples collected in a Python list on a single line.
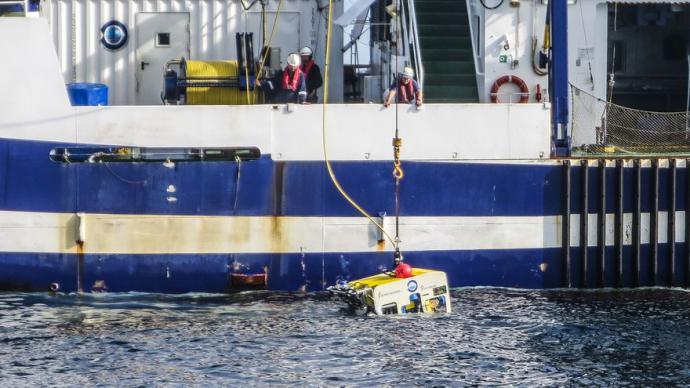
[(87, 94)]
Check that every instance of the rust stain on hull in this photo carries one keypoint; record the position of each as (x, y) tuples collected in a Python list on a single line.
[(80, 266), (381, 245)]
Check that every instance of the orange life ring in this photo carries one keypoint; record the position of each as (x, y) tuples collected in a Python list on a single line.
[(524, 90)]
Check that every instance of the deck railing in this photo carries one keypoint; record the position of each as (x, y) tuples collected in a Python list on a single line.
[(413, 39)]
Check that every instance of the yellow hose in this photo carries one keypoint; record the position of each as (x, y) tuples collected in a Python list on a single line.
[(335, 181), (246, 70)]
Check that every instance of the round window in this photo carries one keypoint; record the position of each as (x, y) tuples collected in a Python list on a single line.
[(114, 35)]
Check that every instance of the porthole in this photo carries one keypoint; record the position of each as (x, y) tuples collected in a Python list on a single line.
[(114, 35)]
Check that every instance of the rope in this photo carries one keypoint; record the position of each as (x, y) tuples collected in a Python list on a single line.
[(246, 68), (238, 175), (268, 44), (687, 101), (263, 24), (490, 8), (331, 174), (613, 54), (129, 181), (584, 32)]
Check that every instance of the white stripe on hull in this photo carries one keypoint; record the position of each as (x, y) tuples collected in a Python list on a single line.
[(156, 234)]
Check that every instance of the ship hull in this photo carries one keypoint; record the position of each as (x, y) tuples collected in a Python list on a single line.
[(189, 227), (181, 273)]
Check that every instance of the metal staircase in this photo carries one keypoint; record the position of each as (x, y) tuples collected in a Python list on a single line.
[(446, 51)]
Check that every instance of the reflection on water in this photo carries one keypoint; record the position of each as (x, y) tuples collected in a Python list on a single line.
[(493, 337)]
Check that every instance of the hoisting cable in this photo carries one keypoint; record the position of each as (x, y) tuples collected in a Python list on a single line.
[(331, 174), (397, 141), (268, 44)]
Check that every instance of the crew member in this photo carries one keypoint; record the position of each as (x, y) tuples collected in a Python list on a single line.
[(312, 73), (405, 88), (401, 270), (291, 83)]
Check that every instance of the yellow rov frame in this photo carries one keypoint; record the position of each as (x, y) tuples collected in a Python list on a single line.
[(425, 292)]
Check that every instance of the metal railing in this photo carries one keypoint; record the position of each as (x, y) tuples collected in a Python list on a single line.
[(475, 31), (413, 39)]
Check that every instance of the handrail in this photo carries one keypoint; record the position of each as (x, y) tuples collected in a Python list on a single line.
[(476, 54), (413, 33)]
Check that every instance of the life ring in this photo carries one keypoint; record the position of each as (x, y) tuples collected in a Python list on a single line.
[(524, 90)]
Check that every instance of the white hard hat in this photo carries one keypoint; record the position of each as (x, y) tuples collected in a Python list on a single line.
[(293, 60), (408, 72), (306, 50)]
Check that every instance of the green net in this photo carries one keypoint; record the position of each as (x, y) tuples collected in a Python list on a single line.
[(600, 127)]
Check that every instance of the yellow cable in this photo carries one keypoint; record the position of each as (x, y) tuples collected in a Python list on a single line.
[(335, 181), (246, 70), (268, 44)]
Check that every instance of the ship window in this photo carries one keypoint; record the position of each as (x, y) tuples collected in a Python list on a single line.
[(163, 39), (650, 63)]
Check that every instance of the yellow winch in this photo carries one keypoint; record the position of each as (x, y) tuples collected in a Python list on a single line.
[(208, 83), (227, 82)]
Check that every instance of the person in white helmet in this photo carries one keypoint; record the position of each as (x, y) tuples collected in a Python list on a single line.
[(291, 83), (312, 73), (405, 88)]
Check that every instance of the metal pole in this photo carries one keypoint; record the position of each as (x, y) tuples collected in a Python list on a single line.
[(584, 224), (619, 224), (565, 266), (602, 224), (686, 281), (558, 76), (654, 225), (637, 223), (671, 263)]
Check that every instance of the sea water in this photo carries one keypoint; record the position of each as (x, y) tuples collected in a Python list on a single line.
[(493, 337)]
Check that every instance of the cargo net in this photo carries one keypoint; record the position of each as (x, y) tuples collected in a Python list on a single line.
[(604, 128)]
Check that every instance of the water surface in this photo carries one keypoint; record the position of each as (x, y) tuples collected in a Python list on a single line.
[(493, 337)]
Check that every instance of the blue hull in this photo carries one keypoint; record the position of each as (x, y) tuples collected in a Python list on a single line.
[(314, 272), (30, 182)]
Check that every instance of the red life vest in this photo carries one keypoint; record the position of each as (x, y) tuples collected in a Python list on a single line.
[(289, 84), (403, 271), (306, 67), (406, 91)]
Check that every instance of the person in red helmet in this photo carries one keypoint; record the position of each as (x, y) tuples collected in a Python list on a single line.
[(401, 270)]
